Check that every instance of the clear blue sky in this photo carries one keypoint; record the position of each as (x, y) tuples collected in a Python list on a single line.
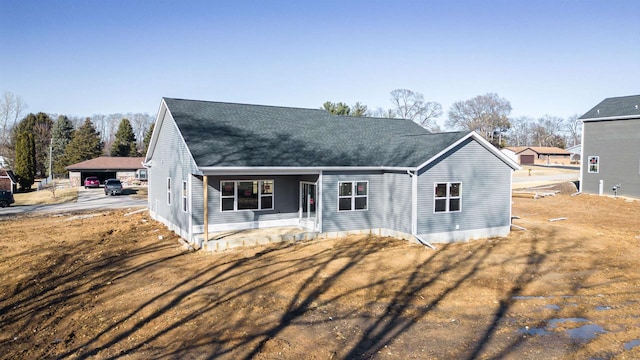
[(545, 57)]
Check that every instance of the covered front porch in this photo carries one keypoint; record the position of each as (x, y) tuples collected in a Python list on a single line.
[(231, 206)]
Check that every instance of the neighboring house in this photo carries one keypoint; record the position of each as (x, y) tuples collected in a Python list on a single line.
[(575, 152), (611, 147), (541, 155), (8, 180), (223, 167), (127, 169)]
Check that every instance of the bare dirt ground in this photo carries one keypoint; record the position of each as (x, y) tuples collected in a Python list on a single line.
[(106, 287)]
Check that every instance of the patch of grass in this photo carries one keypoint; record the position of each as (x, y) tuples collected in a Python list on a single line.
[(44, 197)]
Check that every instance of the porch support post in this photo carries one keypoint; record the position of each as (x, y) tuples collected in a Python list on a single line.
[(205, 180), (414, 202)]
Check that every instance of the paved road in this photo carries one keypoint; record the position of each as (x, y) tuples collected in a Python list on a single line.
[(88, 199)]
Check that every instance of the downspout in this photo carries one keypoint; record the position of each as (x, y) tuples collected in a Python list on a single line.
[(205, 183), (414, 210)]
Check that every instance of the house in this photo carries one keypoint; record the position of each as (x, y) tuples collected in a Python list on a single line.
[(541, 155), (611, 147), (8, 180), (575, 152), (127, 169), (225, 167)]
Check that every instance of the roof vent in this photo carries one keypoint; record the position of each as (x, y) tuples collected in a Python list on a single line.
[(636, 107), (598, 111)]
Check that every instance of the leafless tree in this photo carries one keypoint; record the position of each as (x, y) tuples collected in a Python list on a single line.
[(383, 113), (547, 131), (573, 127), (485, 114), (411, 105), (520, 132), (11, 109)]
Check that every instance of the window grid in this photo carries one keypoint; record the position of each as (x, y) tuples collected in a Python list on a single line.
[(594, 164), (184, 196), (241, 195), (447, 197), (353, 195)]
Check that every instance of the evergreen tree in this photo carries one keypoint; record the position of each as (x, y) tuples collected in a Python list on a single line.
[(337, 108), (147, 138), (61, 135), (125, 141), (39, 125), (25, 165), (85, 144)]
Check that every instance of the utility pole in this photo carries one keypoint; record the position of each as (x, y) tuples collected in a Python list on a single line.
[(51, 160)]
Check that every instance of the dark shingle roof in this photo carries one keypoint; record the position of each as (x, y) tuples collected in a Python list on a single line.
[(228, 135), (615, 107)]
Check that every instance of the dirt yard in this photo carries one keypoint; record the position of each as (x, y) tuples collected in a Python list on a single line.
[(114, 286)]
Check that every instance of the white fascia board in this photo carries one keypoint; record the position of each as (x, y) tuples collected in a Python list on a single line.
[(286, 170), (482, 142), (156, 130), (609, 118)]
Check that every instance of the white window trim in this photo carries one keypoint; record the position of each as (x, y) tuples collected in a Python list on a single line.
[(353, 195), (597, 164), (185, 192), (169, 185), (447, 197), (260, 195)]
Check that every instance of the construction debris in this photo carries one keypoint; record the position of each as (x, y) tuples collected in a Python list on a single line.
[(135, 212), (533, 194)]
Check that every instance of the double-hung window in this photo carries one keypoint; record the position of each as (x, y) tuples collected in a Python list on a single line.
[(594, 164), (184, 196), (447, 197), (246, 195), (168, 191), (353, 195)]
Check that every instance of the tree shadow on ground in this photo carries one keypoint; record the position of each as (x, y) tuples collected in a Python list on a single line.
[(232, 306)]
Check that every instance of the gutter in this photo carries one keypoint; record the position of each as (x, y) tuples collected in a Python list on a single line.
[(414, 210)]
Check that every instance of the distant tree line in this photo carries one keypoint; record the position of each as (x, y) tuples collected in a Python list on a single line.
[(487, 114), (32, 143)]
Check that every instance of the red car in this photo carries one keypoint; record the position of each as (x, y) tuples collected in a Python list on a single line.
[(92, 182)]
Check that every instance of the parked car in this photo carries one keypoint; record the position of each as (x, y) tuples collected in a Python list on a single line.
[(112, 187), (91, 181), (6, 198)]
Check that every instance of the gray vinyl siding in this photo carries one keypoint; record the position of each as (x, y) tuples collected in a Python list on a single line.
[(285, 200), (373, 217), (169, 159), (486, 190), (397, 201), (617, 144)]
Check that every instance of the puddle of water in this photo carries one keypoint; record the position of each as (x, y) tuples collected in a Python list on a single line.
[(554, 322), (631, 344), (600, 308), (586, 332), (528, 297), (533, 331)]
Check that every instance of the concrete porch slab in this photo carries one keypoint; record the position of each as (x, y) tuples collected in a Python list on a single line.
[(251, 237)]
